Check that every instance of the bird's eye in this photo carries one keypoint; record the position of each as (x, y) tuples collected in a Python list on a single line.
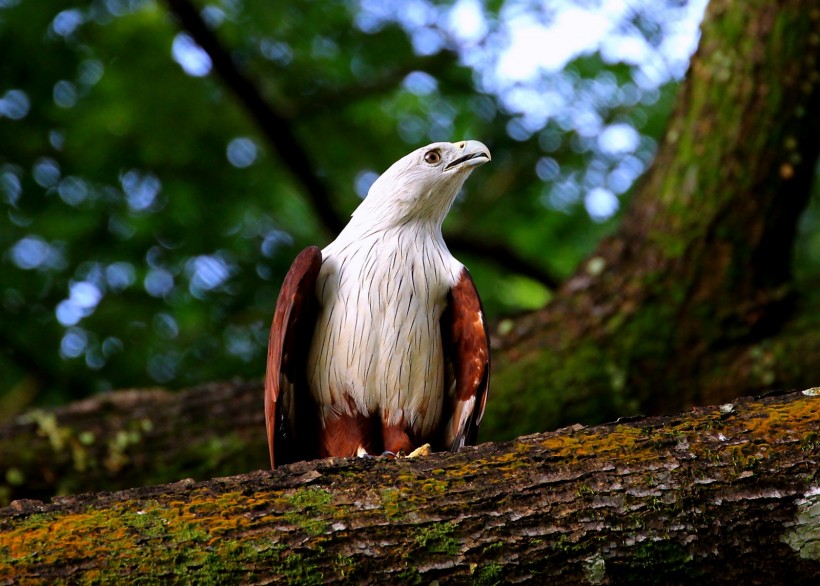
[(432, 157)]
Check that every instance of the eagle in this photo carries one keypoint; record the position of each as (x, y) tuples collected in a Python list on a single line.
[(378, 343)]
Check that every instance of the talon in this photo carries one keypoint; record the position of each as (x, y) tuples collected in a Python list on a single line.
[(389, 454), (423, 450)]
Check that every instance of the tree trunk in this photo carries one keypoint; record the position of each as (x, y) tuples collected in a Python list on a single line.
[(725, 494), (697, 282)]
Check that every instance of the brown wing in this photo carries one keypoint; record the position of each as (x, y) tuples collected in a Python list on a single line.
[(467, 352), (289, 419)]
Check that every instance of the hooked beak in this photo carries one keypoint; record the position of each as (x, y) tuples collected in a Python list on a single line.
[(473, 154)]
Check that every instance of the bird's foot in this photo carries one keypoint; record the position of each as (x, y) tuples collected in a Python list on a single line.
[(422, 450)]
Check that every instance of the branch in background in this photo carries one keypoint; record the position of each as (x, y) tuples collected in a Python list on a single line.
[(503, 256), (275, 127), (210, 430), (279, 132)]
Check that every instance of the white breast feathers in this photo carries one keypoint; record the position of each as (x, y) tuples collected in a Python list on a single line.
[(377, 345)]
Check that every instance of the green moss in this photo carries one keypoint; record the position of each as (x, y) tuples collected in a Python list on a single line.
[(530, 394), (344, 567), (437, 538), (810, 442), (584, 490), (742, 460), (194, 542), (410, 576), (632, 443), (298, 569), (309, 504), (392, 503), (656, 560), (489, 575), (564, 545), (149, 523), (433, 487), (310, 498)]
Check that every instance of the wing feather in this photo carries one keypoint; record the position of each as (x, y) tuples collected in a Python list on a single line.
[(287, 417), (467, 352)]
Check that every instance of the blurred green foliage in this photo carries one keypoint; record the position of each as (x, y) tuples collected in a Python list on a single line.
[(146, 225)]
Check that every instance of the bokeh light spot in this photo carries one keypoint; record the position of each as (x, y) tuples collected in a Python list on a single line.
[(120, 275), (190, 56), (67, 21), (420, 83), (10, 187), (158, 282), (364, 180), (74, 343), (46, 172), (601, 204), (73, 190), (65, 94), (31, 252), (14, 104), (141, 189), (241, 152)]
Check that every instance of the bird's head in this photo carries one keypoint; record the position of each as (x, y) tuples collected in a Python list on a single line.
[(421, 185)]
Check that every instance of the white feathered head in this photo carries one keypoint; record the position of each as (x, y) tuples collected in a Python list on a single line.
[(421, 185)]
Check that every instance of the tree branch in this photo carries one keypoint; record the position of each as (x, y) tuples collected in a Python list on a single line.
[(720, 494), (276, 128), (127, 438)]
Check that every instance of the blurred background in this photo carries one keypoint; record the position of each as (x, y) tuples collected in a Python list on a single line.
[(152, 199)]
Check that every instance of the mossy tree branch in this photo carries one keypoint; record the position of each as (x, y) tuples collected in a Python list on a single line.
[(131, 438), (725, 494)]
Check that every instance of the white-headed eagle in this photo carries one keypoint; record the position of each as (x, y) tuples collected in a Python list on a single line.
[(378, 342)]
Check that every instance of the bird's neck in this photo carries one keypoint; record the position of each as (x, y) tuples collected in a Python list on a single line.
[(363, 229), (424, 212)]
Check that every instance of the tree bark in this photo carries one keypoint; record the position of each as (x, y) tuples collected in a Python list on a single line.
[(699, 274), (724, 494)]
